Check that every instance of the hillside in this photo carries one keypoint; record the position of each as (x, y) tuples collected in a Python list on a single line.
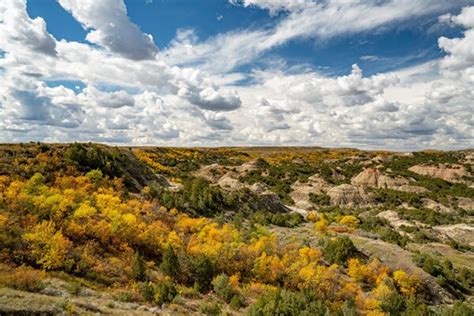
[(89, 228)]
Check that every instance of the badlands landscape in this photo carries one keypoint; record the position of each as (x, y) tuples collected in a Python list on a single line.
[(89, 228)]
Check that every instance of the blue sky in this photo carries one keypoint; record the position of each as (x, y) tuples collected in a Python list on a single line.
[(238, 72), (394, 46)]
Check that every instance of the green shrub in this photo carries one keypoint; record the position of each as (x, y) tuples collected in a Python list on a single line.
[(164, 292), (147, 291), (339, 250), (285, 302), (222, 288), (458, 309), (95, 175), (170, 263), (74, 288), (394, 304), (138, 268), (203, 271), (210, 308), (392, 236), (319, 199), (236, 302)]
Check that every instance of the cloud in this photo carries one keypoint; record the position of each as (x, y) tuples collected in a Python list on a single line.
[(19, 31), (27, 101), (310, 20), (115, 99), (188, 94), (111, 28)]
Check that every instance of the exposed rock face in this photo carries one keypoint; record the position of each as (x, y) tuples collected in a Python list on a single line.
[(412, 189), (211, 172), (300, 191), (266, 201), (229, 183), (451, 173), (348, 195), (428, 203), (393, 219), (462, 233), (466, 203), (371, 177), (247, 167)]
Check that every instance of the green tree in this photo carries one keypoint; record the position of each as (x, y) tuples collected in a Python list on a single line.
[(138, 268), (170, 263), (339, 250), (203, 272)]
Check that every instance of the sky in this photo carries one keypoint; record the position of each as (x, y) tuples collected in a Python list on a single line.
[(370, 74)]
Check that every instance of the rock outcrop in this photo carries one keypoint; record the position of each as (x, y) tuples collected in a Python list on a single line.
[(466, 204), (348, 195), (462, 233), (374, 178), (451, 173), (300, 191), (435, 206)]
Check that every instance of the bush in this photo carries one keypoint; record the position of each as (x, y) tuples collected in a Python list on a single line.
[(138, 268), (203, 271), (458, 309), (95, 176), (222, 288), (389, 235), (285, 302), (394, 304), (339, 250), (319, 199), (210, 308), (236, 302), (147, 291), (74, 288), (170, 263), (165, 292), (25, 279)]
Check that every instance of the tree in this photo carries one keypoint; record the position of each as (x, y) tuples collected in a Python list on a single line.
[(408, 284), (286, 303), (222, 287), (349, 220), (165, 291), (170, 263), (203, 271), (49, 247), (321, 226), (339, 250), (138, 268)]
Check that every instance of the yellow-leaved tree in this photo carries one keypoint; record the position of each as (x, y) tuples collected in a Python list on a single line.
[(48, 246)]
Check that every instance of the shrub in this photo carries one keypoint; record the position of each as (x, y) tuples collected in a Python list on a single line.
[(95, 176), (170, 263), (74, 288), (203, 270), (389, 235), (285, 302), (236, 302), (165, 292), (25, 279), (339, 250), (319, 199), (393, 304), (147, 291), (138, 268), (210, 308), (222, 287), (458, 309)]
